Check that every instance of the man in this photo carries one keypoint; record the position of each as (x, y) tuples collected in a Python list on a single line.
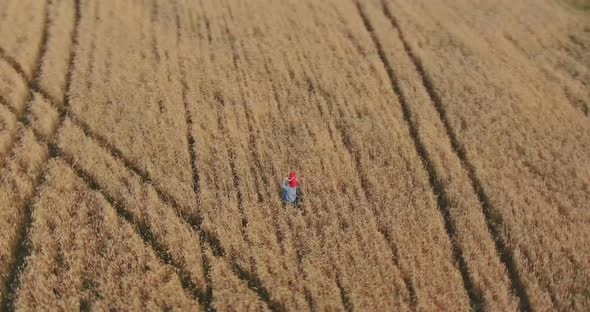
[(290, 190)]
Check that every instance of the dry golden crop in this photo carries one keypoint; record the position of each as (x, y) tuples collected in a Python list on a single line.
[(442, 148)]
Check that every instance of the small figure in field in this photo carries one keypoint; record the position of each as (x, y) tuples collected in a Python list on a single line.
[(290, 188)]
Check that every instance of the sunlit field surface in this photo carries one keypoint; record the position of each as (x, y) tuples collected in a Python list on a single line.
[(442, 149)]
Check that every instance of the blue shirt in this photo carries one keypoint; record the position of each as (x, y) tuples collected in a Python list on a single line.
[(289, 193)]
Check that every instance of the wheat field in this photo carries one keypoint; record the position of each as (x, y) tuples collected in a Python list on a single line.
[(442, 147)]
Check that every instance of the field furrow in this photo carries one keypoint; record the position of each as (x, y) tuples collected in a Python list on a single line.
[(127, 81), (20, 210), (139, 199), (54, 66), (9, 126), (441, 150), (241, 70), (88, 257), (453, 176), (534, 186), (13, 90), (19, 179)]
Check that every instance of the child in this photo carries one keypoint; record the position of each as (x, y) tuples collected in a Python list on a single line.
[(290, 190)]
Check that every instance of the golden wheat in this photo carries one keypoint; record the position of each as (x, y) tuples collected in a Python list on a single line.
[(442, 149)]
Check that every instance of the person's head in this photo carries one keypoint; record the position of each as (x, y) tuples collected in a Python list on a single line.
[(292, 179)]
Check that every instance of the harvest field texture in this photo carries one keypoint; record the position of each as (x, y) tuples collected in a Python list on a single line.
[(442, 149)]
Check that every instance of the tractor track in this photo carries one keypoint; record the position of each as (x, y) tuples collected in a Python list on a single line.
[(344, 297), (222, 124), (475, 297), (92, 53), (193, 160), (4, 102), (14, 131), (23, 242), (154, 19), (250, 279), (364, 184), (494, 224), (356, 159), (34, 77), (317, 90), (194, 221), (141, 228)]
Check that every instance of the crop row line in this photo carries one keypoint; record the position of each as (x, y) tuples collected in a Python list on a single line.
[(193, 220), (193, 160), (4, 102), (249, 278), (475, 298), (493, 223), (142, 229), (348, 307), (251, 134), (35, 75), (356, 158), (22, 247)]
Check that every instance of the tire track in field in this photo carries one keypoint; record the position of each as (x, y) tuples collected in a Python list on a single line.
[(191, 150), (9, 107), (116, 153), (218, 251), (141, 228), (355, 156), (252, 148), (346, 303), (13, 62), (476, 300), (34, 76), (194, 221), (193, 160), (494, 224), (222, 124), (345, 299), (211, 239), (93, 51), (23, 242), (251, 280), (154, 19)]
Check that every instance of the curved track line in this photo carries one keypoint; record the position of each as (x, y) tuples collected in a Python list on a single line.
[(191, 146), (494, 224), (475, 297), (142, 229), (250, 279), (22, 247)]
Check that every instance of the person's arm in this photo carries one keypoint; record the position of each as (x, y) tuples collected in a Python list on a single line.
[(283, 185)]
